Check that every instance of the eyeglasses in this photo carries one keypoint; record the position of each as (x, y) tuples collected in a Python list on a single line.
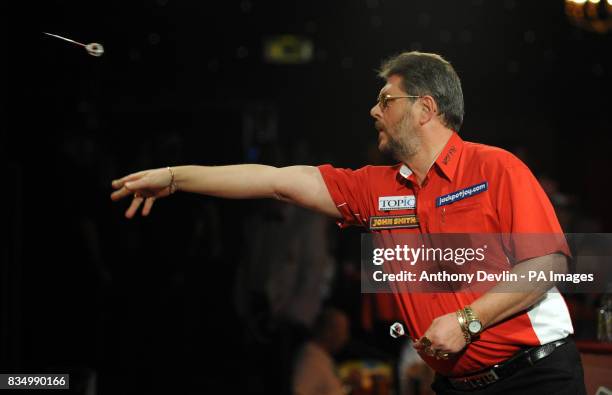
[(383, 100)]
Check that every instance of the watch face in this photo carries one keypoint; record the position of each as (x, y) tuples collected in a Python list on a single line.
[(474, 326)]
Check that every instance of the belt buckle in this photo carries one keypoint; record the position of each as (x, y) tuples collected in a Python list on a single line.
[(481, 380)]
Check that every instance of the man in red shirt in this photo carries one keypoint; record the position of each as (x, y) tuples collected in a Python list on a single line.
[(482, 343)]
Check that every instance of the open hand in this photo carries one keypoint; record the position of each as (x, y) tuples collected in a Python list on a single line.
[(145, 186)]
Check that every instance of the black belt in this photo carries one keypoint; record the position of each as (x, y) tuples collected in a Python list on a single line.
[(519, 361)]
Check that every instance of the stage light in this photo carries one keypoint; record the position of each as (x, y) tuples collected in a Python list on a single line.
[(288, 49), (592, 15)]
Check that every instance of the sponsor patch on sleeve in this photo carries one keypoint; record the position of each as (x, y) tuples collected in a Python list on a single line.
[(387, 203), (461, 194), (394, 221)]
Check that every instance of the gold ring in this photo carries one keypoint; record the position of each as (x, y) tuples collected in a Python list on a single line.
[(430, 351), (441, 355)]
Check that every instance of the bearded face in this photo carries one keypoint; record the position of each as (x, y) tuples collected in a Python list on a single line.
[(399, 140)]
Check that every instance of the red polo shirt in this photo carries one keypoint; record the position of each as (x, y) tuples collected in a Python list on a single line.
[(504, 197)]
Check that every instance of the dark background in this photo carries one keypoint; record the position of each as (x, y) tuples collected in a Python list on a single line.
[(148, 304)]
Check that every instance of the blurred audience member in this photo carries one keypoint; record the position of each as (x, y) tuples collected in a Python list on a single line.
[(415, 376), (314, 369)]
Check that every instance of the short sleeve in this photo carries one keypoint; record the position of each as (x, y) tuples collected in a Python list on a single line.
[(349, 190), (527, 215)]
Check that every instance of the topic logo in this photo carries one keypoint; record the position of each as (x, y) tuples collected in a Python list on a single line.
[(386, 203)]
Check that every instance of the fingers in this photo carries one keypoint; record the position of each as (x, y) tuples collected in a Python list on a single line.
[(128, 187), (141, 183), (429, 351), (136, 202), (437, 354), (428, 348), (442, 355), (124, 185), (146, 209), (120, 194), (422, 343), (142, 186), (131, 177)]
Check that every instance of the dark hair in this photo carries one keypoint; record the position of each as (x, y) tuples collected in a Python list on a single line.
[(429, 74)]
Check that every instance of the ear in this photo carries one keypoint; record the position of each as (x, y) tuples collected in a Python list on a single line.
[(429, 109)]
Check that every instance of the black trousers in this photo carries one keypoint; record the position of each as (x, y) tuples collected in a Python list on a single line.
[(560, 373)]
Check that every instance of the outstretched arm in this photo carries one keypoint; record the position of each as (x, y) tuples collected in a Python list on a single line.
[(301, 185)]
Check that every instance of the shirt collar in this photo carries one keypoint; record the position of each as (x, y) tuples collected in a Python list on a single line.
[(449, 157), (447, 160)]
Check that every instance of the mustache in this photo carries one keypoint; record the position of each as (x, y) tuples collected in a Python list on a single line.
[(379, 126)]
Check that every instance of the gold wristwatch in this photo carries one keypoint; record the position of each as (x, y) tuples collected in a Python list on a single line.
[(472, 323)]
